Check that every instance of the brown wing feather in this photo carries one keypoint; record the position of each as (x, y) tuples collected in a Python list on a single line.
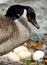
[(6, 26)]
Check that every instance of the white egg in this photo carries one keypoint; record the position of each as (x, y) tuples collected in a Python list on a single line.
[(13, 57), (24, 48), (24, 54), (38, 55), (20, 49)]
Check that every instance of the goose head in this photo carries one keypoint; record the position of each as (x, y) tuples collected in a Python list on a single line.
[(16, 11)]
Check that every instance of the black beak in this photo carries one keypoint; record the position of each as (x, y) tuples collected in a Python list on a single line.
[(34, 22)]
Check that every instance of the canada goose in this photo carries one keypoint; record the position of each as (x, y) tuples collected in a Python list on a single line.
[(10, 37)]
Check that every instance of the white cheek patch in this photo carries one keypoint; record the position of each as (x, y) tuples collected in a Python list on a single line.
[(24, 14)]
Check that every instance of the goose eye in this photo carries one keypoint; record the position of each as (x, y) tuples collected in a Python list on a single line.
[(29, 17)]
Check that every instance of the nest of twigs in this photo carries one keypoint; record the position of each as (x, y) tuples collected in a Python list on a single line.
[(6, 62)]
